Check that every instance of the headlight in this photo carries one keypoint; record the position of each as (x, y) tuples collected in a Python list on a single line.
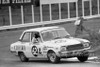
[(63, 48), (86, 45)]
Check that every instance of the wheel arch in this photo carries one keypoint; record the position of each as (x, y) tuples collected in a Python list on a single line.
[(20, 52), (22, 56), (49, 51), (56, 60)]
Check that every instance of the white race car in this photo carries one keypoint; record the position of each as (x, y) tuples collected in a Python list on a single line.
[(52, 43)]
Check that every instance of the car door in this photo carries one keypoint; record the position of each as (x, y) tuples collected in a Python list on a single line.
[(33, 47), (26, 42), (37, 45)]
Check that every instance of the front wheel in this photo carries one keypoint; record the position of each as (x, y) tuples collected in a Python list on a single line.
[(53, 57), (23, 58), (82, 58)]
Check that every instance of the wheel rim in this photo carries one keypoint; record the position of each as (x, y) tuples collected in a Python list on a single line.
[(22, 57), (52, 57)]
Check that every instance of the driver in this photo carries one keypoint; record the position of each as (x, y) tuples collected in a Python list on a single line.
[(36, 38)]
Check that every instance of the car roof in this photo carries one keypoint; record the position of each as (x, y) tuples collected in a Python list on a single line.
[(42, 29)]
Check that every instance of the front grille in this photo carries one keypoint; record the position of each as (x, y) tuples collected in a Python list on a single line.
[(75, 47)]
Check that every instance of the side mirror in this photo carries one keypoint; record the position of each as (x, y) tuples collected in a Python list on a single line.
[(19, 40)]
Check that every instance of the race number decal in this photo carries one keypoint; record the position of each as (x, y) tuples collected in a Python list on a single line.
[(35, 51)]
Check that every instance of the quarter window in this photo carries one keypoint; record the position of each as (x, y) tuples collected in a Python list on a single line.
[(26, 37)]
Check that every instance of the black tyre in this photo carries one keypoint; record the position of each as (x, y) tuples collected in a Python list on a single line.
[(82, 58), (52, 57), (23, 58)]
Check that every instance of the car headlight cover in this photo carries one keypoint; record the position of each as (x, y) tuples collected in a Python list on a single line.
[(63, 48), (86, 45)]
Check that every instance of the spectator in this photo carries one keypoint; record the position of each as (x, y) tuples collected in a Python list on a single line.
[(79, 26)]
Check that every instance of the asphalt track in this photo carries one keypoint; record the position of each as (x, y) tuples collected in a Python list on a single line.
[(9, 60)]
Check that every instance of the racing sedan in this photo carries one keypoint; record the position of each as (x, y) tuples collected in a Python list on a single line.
[(53, 43)]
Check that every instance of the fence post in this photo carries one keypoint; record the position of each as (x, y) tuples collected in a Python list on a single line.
[(90, 7), (22, 14), (82, 8), (98, 7), (59, 10), (50, 12), (68, 11), (10, 15), (32, 14), (41, 16), (77, 9)]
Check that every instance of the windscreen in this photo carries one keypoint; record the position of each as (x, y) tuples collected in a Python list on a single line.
[(54, 34)]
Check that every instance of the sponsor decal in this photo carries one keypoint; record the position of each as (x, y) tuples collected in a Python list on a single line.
[(19, 47), (36, 51), (60, 41), (46, 47), (13, 2)]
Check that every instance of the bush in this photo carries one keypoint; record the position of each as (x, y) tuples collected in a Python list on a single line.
[(94, 38)]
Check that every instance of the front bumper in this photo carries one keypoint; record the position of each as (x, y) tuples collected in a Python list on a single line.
[(76, 53)]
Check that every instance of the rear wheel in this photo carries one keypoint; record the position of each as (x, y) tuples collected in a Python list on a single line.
[(53, 57), (82, 58), (23, 58)]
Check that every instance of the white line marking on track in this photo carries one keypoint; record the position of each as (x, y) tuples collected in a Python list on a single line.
[(93, 62), (90, 58)]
